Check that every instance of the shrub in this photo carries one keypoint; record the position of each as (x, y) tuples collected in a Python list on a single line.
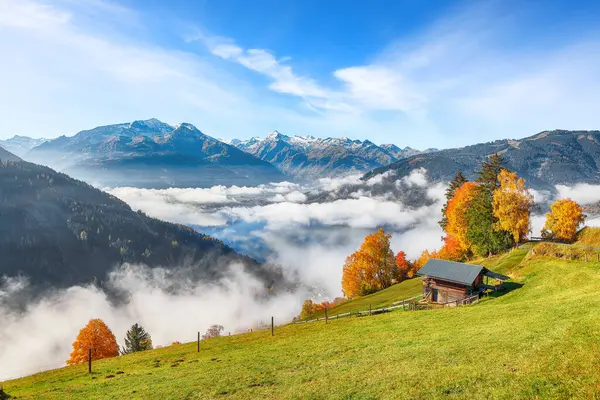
[(213, 331)]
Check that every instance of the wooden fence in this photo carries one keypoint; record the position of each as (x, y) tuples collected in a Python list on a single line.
[(410, 304), (361, 313)]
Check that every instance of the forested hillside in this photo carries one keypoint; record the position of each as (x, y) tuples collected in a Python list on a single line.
[(60, 231), (7, 155)]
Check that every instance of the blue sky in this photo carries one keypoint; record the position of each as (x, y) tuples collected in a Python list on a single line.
[(418, 73)]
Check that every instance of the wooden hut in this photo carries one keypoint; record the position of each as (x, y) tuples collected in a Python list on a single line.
[(448, 281)]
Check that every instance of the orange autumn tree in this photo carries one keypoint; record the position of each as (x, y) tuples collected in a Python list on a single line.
[(456, 214), (370, 268), (563, 220), (512, 204), (308, 309), (96, 336), (422, 260), (405, 268), (451, 250)]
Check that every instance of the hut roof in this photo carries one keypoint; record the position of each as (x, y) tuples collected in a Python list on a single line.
[(451, 271)]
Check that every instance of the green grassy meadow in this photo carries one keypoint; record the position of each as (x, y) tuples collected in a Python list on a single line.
[(538, 341), (402, 291)]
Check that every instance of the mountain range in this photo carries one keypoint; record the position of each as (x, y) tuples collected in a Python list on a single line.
[(544, 160), (308, 157), (20, 145), (153, 154), (58, 232)]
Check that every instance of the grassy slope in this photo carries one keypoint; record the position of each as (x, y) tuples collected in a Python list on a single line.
[(401, 291), (539, 341), (589, 237)]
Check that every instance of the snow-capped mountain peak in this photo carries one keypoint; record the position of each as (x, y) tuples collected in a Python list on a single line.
[(19, 145), (309, 156), (151, 124), (277, 135)]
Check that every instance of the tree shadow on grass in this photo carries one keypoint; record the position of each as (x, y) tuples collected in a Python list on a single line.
[(3, 394), (505, 288)]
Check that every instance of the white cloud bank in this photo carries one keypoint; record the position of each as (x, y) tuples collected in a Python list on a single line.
[(309, 239), (583, 193)]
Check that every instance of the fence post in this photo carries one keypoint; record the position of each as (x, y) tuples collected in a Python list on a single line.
[(586, 257), (198, 342), (370, 312), (272, 327), (90, 360), (326, 318)]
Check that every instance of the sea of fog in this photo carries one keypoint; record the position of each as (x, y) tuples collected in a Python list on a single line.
[(308, 230)]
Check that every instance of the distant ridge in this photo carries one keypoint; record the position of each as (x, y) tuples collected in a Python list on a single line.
[(8, 156), (544, 160), (308, 157), (20, 145)]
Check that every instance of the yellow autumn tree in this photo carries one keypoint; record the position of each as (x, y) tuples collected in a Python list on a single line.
[(422, 260), (370, 268), (512, 205), (563, 220), (97, 337), (308, 309), (456, 214)]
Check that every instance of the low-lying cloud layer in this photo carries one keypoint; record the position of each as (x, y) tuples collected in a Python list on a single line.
[(40, 336), (308, 230)]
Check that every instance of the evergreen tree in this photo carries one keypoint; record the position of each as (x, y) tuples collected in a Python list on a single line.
[(484, 238), (137, 339), (490, 169), (456, 182)]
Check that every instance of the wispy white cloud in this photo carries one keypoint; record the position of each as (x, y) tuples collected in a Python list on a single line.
[(365, 88), (72, 65), (454, 83), (284, 80)]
